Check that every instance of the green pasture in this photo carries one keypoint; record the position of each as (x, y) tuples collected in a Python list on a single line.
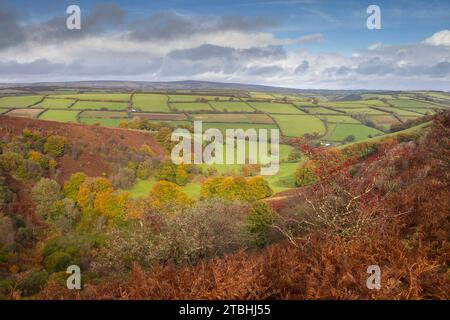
[(231, 106), (151, 102), (188, 106), (99, 105), (298, 125), (19, 101), (275, 107), (60, 115)]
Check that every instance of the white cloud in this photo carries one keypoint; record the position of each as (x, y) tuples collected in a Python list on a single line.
[(441, 38)]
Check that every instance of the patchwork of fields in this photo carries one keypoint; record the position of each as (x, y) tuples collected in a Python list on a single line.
[(334, 120)]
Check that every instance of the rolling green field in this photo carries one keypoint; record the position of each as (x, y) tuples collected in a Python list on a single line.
[(340, 131), (366, 110), (19, 101), (317, 110), (231, 106), (234, 117), (223, 126), (60, 115), (384, 122), (402, 112), (194, 98), (188, 106), (339, 119), (95, 96), (411, 104), (275, 107), (151, 102), (56, 103), (297, 125), (98, 105)]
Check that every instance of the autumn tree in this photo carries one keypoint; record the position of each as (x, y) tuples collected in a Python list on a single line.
[(44, 194), (55, 145), (72, 186)]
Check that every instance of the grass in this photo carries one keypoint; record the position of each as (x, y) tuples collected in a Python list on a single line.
[(269, 107), (357, 103), (194, 98), (151, 102), (339, 119), (284, 179), (406, 103), (261, 95), (187, 106), (231, 106), (97, 105), (95, 96), (320, 110), (60, 115), (223, 126), (25, 113), (160, 116), (364, 110), (384, 121), (297, 125), (104, 114), (414, 129), (234, 117), (401, 112), (340, 131), (2, 111), (56, 103), (19, 101)]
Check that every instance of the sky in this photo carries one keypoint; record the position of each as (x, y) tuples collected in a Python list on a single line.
[(308, 44)]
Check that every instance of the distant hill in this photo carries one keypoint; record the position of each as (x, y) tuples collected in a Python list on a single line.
[(170, 85)]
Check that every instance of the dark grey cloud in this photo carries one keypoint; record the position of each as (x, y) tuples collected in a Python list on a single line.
[(439, 70), (375, 67), (11, 32), (170, 25), (264, 71), (209, 51), (36, 67), (102, 18), (302, 68)]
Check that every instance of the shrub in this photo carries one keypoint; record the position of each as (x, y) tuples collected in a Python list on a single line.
[(29, 169), (10, 161), (34, 282), (259, 220), (124, 179), (55, 145), (57, 261), (44, 194), (208, 229), (167, 193), (64, 214), (7, 232), (305, 173), (6, 194), (236, 188), (72, 186)]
